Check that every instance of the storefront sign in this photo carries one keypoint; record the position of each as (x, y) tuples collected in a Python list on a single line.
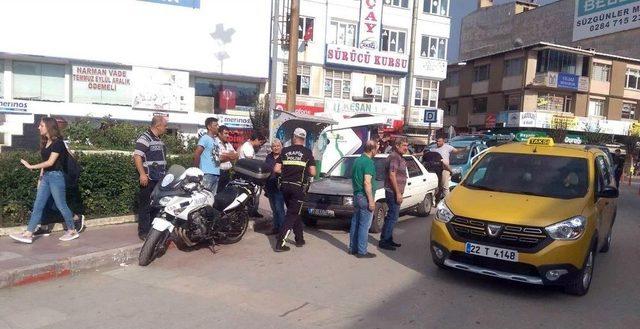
[(366, 59), (164, 90), (569, 81), (599, 17), (417, 117), (571, 123), (564, 122), (431, 68), (370, 23), (182, 3), (101, 85), (528, 119), (573, 139), (343, 108), (302, 108), (490, 120), (233, 121), (562, 80), (14, 107)]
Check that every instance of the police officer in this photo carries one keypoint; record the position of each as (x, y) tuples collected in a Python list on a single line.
[(150, 159), (295, 165)]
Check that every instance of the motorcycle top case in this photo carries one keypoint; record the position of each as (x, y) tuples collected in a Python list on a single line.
[(253, 170)]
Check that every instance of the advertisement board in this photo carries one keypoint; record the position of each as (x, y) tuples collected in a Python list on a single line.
[(370, 23), (593, 18), (156, 89), (366, 59), (14, 107), (340, 109), (95, 84)]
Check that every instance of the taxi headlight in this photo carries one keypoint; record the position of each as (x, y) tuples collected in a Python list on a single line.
[(443, 214), (347, 201), (570, 229)]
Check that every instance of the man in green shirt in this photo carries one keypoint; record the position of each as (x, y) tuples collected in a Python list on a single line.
[(363, 180)]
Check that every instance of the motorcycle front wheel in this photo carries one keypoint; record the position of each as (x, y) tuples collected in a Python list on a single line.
[(153, 246), (237, 227)]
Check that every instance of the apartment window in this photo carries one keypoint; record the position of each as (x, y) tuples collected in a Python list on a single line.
[(480, 105), (513, 67), (433, 47), (1, 78), (554, 102), (303, 80), (481, 73), (387, 89), (342, 33), (426, 93), (436, 7), (452, 109), (596, 107), (453, 80), (305, 27), (550, 60), (633, 79), (393, 40), (512, 102), (397, 3), (629, 110), (38, 81), (601, 72), (337, 84)]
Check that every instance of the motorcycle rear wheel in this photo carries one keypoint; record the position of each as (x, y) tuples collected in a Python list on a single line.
[(153, 246)]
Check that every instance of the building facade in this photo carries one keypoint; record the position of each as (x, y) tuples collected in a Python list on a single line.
[(353, 58), (131, 59), (544, 86), (606, 26)]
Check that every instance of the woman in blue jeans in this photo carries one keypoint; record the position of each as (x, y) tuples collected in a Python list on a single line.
[(51, 182)]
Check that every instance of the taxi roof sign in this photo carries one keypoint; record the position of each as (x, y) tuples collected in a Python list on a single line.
[(542, 141)]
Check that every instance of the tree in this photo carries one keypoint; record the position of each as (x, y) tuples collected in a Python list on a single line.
[(260, 117)]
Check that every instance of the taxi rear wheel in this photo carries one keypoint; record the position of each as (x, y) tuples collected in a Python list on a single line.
[(580, 285)]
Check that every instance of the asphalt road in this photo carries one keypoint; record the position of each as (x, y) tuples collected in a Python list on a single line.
[(247, 285)]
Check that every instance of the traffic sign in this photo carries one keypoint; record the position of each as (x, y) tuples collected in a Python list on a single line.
[(430, 116)]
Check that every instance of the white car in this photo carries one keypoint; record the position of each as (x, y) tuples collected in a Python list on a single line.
[(331, 197)]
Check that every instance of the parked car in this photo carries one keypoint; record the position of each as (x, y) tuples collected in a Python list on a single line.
[(461, 162), (331, 197)]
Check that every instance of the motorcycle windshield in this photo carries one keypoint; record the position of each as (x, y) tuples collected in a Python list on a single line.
[(170, 184)]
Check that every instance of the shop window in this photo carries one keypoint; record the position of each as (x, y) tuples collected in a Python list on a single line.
[(214, 96), (480, 105), (397, 3), (305, 28), (452, 109), (633, 79), (512, 102), (629, 110), (513, 67), (303, 80), (426, 93), (436, 7), (481, 73), (342, 33), (337, 84), (601, 72), (393, 40), (433, 47), (38, 81), (554, 103), (387, 89), (453, 80), (596, 107)]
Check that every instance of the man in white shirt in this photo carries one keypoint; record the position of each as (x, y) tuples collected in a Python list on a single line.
[(248, 149), (226, 154), (445, 151)]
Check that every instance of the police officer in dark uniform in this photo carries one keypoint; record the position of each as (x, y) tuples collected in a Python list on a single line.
[(295, 165), (150, 160)]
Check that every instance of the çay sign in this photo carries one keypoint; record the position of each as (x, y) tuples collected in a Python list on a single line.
[(370, 16)]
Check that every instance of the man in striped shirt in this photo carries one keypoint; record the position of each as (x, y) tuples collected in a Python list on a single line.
[(151, 163)]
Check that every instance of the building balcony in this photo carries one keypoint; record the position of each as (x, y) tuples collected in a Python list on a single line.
[(562, 81)]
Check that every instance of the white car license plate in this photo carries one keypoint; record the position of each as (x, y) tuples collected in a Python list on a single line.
[(322, 212), (491, 252)]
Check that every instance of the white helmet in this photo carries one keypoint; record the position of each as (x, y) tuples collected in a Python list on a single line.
[(194, 175)]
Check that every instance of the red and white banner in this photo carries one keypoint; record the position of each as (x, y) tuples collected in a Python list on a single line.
[(370, 23), (367, 59)]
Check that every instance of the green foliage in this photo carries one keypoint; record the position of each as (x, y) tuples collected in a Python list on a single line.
[(19, 187), (259, 116)]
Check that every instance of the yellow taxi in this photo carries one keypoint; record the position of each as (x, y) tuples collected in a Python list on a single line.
[(533, 212)]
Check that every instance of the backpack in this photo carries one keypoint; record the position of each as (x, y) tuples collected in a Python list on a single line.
[(71, 168)]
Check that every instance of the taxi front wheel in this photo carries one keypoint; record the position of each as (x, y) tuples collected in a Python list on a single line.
[(580, 285)]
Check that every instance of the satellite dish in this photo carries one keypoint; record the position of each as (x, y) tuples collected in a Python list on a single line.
[(518, 42)]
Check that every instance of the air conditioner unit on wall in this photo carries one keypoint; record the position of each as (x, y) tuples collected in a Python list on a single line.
[(368, 91)]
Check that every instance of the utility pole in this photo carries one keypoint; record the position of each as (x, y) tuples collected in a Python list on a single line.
[(294, 18), (273, 77), (408, 86)]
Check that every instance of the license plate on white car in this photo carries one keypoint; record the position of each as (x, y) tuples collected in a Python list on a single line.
[(491, 252), (321, 212)]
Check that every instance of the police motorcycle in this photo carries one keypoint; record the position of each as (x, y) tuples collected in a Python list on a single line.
[(191, 215)]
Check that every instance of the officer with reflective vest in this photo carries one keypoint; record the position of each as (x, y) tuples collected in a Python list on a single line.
[(151, 163), (295, 165)]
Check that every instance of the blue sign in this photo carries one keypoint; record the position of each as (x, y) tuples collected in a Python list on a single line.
[(430, 116), (587, 7), (569, 81), (182, 3)]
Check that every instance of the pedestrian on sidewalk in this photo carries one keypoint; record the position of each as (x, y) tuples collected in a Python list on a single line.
[(226, 154), (206, 156), (151, 163), (363, 181), (396, 172), (51, 181), (618, 161), (272, 191), (248, 150), (295, 165)]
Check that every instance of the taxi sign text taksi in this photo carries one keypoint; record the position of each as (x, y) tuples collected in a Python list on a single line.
[(540, 141)]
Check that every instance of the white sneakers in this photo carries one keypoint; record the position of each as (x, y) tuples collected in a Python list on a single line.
[(22, 238), (68, 236)]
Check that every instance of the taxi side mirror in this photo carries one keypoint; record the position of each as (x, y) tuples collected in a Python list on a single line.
[(608, 192)]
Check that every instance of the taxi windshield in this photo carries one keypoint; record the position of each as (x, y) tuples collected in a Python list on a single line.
[(540, 175)]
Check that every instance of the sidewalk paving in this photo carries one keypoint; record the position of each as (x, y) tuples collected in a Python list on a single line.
[(48, 258)]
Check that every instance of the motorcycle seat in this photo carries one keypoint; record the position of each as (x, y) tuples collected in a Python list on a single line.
[(225, 197)]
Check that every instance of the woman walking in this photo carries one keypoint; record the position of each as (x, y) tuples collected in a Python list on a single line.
[(51, 182)]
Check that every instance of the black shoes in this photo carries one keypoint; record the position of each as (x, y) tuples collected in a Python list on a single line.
[(280, 248), (386, 246), (367, 255), (300, 243), (393, 244)]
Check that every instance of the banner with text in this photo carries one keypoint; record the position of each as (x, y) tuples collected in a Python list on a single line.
[(165, 90), (366, 59), (599, 17), (370, 23), (101, 85)]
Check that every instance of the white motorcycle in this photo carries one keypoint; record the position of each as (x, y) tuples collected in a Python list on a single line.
[(191, 215)]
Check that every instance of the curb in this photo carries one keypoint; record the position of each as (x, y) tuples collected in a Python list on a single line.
[(88, 223), (68, 266)]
